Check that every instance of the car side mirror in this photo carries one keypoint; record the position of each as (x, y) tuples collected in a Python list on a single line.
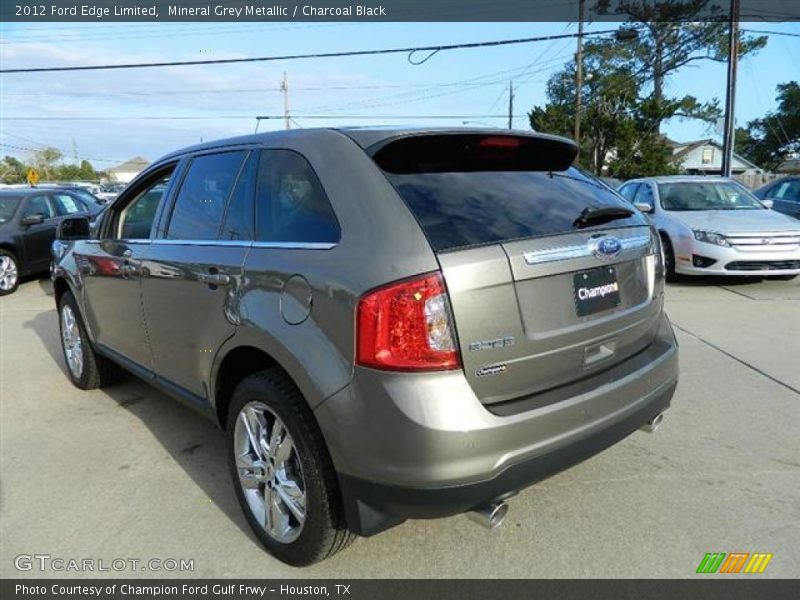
[(33, 219), (644, 207), (767, 202), (73, 228)]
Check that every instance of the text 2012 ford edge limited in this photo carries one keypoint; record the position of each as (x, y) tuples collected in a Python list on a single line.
[(388, 324)]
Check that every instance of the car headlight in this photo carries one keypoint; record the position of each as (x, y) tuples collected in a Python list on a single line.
[(709, 237)]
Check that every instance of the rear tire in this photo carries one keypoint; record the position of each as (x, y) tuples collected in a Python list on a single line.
[(669, 259), (282, 473), (9, 273), (86, 369)]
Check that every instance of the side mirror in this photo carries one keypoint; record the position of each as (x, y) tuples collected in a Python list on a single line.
[(73, 228), (767, 202), (33, 219), (644, 207)]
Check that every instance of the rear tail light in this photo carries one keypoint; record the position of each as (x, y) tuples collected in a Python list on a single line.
[(407, 326)]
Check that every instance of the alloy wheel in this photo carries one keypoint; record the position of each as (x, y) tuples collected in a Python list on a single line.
[(8, 273), (71, 339), (269, 472)]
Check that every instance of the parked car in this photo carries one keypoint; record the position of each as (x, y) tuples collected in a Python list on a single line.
[(388, 323), (28, 221), (784, 194), (715, 226), (109, 191), (612, 182), (92, 202)]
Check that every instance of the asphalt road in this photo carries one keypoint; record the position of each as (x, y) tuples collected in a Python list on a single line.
[(128, 473)]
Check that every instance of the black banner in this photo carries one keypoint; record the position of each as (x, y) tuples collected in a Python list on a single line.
[(360, 589), (380, 10)]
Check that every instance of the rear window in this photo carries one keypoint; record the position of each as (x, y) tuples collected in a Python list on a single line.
[(471, 190)]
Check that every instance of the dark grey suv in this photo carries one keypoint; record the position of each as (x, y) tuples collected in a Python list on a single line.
[(388, 324)]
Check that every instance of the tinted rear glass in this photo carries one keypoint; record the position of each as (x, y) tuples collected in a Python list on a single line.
[(467, 194)]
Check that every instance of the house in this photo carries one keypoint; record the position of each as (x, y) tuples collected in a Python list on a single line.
[(791, 166), (126, 171), (704, 157)]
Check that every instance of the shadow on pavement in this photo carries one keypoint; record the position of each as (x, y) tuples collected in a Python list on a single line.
[(196, 444), (714, 280), (46, 285)]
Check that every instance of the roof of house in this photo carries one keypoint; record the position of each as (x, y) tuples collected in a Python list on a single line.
[(133, 165), (681, 149)]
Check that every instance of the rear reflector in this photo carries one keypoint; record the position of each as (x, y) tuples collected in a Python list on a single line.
[(406, 326)]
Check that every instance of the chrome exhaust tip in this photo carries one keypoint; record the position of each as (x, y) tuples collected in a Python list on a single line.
[(491, 515), (653, 424)]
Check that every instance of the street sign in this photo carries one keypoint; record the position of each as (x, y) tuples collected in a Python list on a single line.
[(33, 177)]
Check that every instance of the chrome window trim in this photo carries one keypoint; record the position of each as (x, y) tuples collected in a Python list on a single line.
[(584, 250), (231, 243), (296, 245), (248, 244)]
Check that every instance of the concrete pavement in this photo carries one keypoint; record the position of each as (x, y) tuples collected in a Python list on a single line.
[(128, 473)]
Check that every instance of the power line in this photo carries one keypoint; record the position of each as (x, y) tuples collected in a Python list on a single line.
[(264, 117), (81, 36), (221, 61), (767, 32)]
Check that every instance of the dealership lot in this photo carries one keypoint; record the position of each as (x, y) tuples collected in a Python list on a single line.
[(128, 473)]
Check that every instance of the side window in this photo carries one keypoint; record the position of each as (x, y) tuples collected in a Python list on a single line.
[(239, 215), (40, 205), (644, 195), (629, 191), (136, 219), (198, 210), (291, 205), (67, 205), (789, 190)]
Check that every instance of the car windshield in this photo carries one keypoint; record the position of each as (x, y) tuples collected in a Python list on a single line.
[(8, 205), (712, 195)]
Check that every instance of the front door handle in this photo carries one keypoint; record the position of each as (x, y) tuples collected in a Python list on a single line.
[(129, 269), (215, 279)]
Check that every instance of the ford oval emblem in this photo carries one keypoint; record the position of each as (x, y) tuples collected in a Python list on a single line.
[(605, 247)]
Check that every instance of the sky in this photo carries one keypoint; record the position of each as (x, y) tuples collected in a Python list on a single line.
[(216, 101)]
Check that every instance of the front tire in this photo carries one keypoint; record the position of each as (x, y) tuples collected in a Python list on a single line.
[(9, 273), (282, 472), (86, 369), (669, 259)]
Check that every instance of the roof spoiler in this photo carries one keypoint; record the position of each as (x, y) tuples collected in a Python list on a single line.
[(453, 152)]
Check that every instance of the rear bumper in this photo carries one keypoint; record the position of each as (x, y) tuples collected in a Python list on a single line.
[(422, 446), (372, 507)]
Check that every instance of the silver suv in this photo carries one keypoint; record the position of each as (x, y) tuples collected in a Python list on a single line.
[(388, 324)]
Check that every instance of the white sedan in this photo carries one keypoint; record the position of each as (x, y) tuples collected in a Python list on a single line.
[(716, 226)]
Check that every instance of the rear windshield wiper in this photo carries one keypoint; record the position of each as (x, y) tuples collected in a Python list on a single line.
[(598, 216)]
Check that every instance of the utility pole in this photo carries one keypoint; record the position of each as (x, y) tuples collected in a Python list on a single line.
[(285, 90), (730, 100), (579, 74), (510, 104)]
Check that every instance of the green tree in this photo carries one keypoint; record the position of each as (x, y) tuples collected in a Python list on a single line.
[(12, 170), (768, 141), (45, 161), (87, 172), (619, 123), (672, 36), (624, 86)]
